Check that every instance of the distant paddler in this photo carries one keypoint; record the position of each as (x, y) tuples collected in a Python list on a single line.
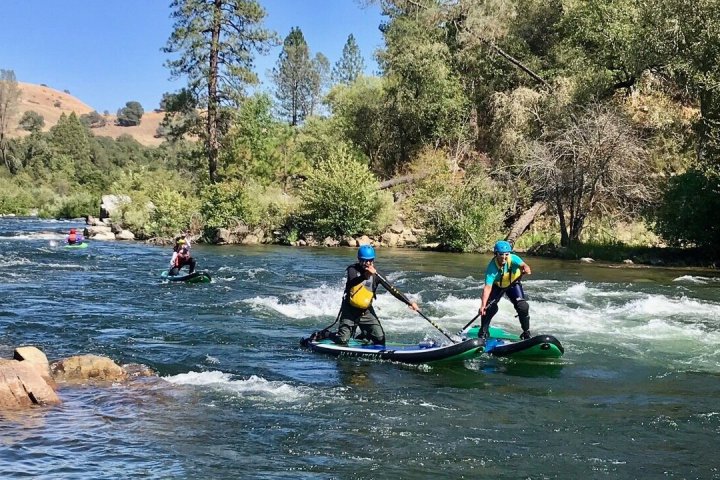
[(74, 238)]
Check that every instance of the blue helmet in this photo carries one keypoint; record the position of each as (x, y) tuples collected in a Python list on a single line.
[(502, 246), (366, 252)]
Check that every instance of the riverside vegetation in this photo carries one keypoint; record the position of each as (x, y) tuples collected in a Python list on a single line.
[(546, 122)]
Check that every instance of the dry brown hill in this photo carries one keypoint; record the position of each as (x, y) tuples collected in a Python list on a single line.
[(51, 103)]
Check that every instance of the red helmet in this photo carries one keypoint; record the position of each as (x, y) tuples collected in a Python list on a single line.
[(72, 230)]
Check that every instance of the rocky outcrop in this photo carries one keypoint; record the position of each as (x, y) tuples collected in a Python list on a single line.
[(25, 381), (35, 357), (110, 204), (99, 232), (84, 368), (29, 379), (125, 235)]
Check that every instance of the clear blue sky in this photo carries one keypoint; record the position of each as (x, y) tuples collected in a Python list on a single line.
[(107, 52)]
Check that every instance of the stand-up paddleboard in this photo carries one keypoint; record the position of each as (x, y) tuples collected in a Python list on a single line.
[(195, 277), (424, 352), (504, 344)]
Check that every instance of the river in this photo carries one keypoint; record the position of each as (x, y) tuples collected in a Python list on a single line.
[(635, 395)]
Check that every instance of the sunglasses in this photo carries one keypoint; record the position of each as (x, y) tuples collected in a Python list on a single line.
[(502, 254)]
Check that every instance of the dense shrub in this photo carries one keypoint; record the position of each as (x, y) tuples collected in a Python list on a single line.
[(15, 200), (341, 196), (226, 204), (31, 121), (688, 212), (462, 213), (172, 212), (80, 204), (93, 120)]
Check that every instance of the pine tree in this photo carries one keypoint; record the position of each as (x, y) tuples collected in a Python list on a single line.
[(69, 137), (216, 40), (294, 76), (350, 65), (9, 101)]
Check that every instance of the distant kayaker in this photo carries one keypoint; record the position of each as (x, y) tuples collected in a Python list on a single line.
[(357, 309), (179, 259), (74, 238), (502, 277)]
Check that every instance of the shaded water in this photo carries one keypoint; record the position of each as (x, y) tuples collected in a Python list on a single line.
[(635, 396)]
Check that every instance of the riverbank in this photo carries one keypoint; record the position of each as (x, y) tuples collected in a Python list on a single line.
[(400, 236), (631, 255)]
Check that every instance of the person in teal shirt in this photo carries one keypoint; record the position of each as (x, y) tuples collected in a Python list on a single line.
[(502, 277)]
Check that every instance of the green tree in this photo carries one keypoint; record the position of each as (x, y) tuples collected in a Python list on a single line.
[(360, 113), (340, 197), (9, 101), (181, 116), (426, 102), (31, 121), (294, 77), (350, 65), (215, 41), (72, 154), (254, 145), (689, 203), (95, 120), (69, 137), (319, 79), (130, 115)]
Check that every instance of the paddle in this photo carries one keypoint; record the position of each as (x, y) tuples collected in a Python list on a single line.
[(399, 295), (438, 327)]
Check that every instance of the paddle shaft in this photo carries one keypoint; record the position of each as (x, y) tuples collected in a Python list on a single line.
[(437, 326), (405, 300)]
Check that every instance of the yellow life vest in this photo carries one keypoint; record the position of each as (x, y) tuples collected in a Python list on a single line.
[(507, 277), (360, 297)]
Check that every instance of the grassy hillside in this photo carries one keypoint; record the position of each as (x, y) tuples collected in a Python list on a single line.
[(51, 103)]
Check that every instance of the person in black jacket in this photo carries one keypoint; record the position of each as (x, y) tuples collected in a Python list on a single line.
[(356, 310)]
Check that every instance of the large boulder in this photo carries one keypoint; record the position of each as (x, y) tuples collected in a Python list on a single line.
[(365, 240), (390, 239), (111, 204), (124, 235), (99, 233), (35, 357), (84, 368), (22, 385)]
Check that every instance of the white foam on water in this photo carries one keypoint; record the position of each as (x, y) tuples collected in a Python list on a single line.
[(39, 236), (311, 302), (253, 387), (661, 306), (582, 309), (63, 266), (13, 261), (696, 279), (252, 273), (467, 283)]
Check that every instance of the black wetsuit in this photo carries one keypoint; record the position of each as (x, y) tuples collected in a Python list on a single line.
[(363, 318)]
